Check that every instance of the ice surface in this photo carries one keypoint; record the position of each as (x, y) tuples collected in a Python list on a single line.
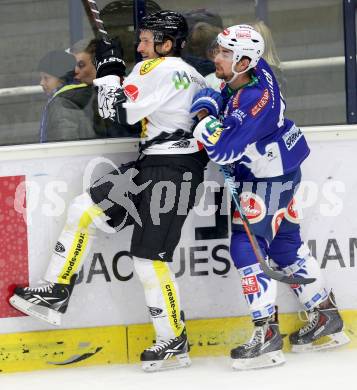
[(327, 370)]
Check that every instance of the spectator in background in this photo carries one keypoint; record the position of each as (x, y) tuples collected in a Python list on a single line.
[(199, 47), (270, 53), (204, 27), (63, 118), (85, 72)]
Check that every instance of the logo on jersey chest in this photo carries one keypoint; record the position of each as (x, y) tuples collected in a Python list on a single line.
[(239, 114), (261, 104), (149, 65), (235, 101)]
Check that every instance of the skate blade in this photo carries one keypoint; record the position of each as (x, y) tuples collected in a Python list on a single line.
[(178, 361), (327, 342), (40, 312), (270, 359)]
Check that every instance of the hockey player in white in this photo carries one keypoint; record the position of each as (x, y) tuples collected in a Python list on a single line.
[(266, 151), (158, 92)]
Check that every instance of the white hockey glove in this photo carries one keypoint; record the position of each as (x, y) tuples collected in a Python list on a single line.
[(108, 87), (208, 130)]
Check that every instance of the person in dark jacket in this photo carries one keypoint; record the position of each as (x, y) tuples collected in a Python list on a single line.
[(203, 29), (63, 117), (85, 72)]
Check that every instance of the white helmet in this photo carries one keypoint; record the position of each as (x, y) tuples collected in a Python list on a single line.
[(244, 41)]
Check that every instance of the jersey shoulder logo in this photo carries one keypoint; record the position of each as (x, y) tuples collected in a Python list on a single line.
[(149, 65), (261, 104), (131, 91), (181, 80)]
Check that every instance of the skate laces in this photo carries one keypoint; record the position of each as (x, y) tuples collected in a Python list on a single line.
[(257, 337), (41, 289), (311, 318), (160, 345)]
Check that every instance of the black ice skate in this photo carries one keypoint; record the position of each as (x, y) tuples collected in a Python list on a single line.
[(264, 349), (324, 329), (46, 302), (167, 354)]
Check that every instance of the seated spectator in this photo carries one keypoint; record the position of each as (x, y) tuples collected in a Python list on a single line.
[(63, 118)]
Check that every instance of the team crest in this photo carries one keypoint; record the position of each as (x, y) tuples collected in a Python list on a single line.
[(149, 65), (253, 207)]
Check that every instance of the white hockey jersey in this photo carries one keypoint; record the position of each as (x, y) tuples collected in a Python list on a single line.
[(160, 93)]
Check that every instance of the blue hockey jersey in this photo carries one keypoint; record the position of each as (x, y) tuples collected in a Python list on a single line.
[(253, 132)]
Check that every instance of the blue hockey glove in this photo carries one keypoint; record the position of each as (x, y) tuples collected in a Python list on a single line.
[(207, 99)]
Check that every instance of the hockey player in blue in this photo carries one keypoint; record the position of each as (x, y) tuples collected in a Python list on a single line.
[(244, 126)]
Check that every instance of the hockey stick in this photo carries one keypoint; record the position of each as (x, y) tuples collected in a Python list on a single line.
[(96, 22), (253, 240)]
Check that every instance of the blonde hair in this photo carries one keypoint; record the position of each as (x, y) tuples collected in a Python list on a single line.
[(270, 53)]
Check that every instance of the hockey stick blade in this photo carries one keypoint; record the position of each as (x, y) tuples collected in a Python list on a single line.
[(255, 245)]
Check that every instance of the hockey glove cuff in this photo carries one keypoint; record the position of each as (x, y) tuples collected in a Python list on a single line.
[(208, 99), (208, 131), (108, 88)]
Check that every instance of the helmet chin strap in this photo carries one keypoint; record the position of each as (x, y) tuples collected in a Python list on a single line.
[(235, 74)]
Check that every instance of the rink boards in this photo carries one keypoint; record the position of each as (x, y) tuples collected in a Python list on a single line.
[(107, 321), (123, 344)]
